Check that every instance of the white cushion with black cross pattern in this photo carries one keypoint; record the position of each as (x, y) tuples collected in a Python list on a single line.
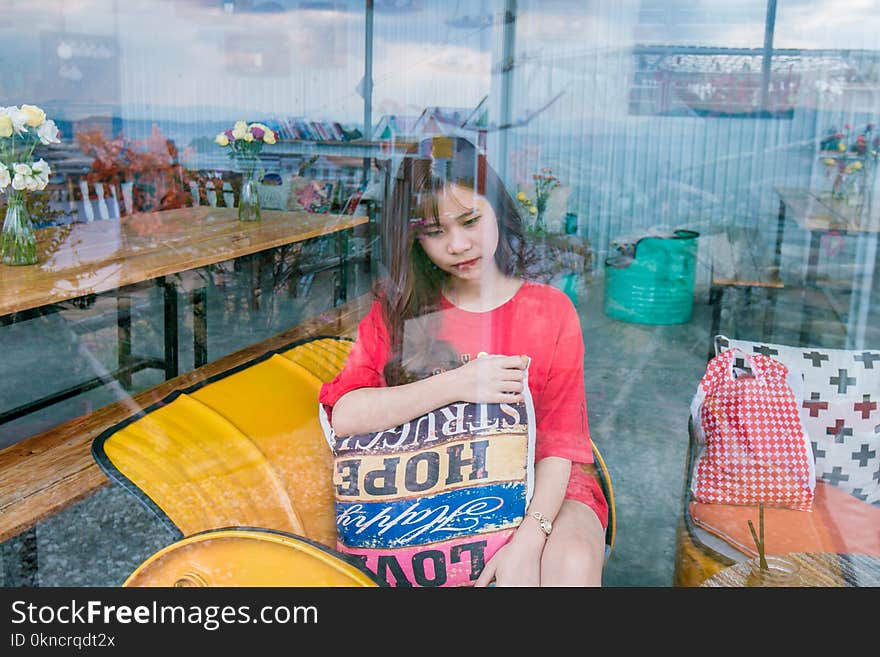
[(840, 410)]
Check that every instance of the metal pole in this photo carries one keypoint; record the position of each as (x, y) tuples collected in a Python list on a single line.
[(508, 50), (368, 82), (767, 60)]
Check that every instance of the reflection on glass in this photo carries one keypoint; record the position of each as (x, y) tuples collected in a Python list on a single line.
[(713, 117)]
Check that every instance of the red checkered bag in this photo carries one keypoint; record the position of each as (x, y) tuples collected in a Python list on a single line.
[(753, 448)]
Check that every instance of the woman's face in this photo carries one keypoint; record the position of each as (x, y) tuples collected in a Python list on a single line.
[(463, 241)]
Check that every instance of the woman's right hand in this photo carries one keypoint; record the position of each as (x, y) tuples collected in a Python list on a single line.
[(491, 379)]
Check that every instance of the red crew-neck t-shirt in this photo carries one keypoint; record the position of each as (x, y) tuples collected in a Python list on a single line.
[(538, 321)]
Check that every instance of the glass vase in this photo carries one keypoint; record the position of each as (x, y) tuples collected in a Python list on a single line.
[(539, 226), (249, 200), (18, 243), (780, 571)]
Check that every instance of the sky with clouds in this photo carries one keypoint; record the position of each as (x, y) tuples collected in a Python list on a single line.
[(308, 58)]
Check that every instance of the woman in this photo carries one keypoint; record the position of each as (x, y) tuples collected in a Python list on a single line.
[(454, 321)]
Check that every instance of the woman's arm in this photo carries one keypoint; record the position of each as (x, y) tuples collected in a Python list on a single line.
[(490, 379), (372, 409), (518, 563), (551, 481)]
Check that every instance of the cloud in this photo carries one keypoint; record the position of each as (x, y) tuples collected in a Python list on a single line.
[(831, 24), (448, 75)]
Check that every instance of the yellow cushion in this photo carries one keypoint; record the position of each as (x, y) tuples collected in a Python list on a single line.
[(245, 449)]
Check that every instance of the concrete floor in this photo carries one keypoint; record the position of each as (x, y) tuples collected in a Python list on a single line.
[(639, 381)]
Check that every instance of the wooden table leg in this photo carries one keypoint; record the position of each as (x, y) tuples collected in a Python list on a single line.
[(809, 284), (170, 314), (341, 277), (123, 337), (780, 232), (716, 295), (200, 326), (769, 315)]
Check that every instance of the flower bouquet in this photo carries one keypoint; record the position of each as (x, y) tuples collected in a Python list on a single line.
[(555, 258), (21, 130), (245, 141), (545, 182), (851, 158)]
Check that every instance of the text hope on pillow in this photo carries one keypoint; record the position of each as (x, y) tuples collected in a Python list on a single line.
[(428, 503)]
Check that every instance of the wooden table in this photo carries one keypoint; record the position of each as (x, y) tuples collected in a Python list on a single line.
[(89, 258), (816, 569), (818, 214)]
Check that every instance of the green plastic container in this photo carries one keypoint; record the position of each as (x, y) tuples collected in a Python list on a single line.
[(656, 285)]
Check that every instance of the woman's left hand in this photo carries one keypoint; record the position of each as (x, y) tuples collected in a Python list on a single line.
[(516, 564)]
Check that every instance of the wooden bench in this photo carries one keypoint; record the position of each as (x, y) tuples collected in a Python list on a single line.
[(44, 474)]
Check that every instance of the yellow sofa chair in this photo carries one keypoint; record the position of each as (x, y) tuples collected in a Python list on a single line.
[(244, 453)]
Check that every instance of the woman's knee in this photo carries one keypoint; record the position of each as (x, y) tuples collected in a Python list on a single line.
[(575, 552), (576, 564)]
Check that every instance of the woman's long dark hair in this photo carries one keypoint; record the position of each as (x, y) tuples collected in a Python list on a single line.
[(410, 294)]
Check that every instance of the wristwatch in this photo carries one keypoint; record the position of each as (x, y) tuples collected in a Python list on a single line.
[(543, 522)]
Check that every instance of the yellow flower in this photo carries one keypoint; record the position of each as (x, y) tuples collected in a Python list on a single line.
[(35, 116), (239, 130), (533, 209), (856, 166), (247, 136), (829, 161), (521, 197), (841, 147), (222, 139), (5, 126), (269, 137)]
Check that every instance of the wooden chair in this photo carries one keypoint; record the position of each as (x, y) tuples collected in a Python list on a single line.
[(600, 471), (245, 449), (740, 262), (99, 200), (213, 188), (79, 199)]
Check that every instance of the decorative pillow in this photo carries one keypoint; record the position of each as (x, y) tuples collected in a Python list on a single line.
[(839, 409), (429, 502)]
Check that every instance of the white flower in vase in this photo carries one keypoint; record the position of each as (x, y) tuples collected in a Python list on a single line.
[(48, 133), (22, 129), (17, 117), (41, 172)]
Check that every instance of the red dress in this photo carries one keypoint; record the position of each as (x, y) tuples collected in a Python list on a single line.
[(539, 321)]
